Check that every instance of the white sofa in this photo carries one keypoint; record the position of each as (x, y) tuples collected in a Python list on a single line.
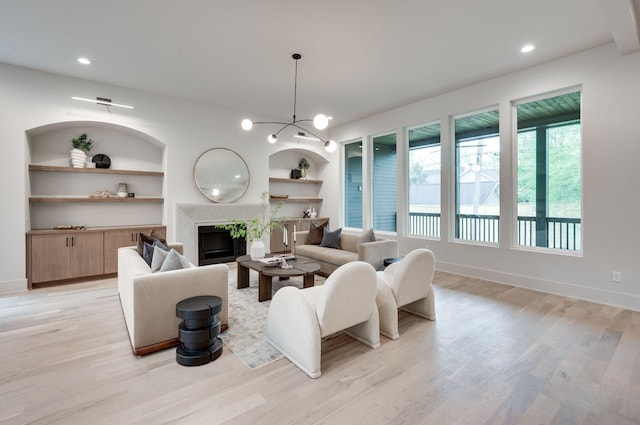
[(330, 259), (149, 299)]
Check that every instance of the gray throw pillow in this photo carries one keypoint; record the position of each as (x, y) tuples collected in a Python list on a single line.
[(159, 255), (148, 250), (142, 238), (174, 261), (366, 236), (331, 239)]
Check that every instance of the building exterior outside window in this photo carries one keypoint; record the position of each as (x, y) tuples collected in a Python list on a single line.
[(549, 177), (477, 177), (353, 184), (424, 180)]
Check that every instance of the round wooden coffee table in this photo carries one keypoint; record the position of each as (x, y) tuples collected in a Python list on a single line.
[(301, 267)]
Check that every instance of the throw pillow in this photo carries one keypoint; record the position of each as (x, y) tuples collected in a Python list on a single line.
[(174, 261), (142, 238), (331, 239), (159, 255), (316, 232), (366, 236), (147, 253)]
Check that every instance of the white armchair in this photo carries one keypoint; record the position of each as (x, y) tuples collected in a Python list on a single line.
[(406, 285), (299, 318)]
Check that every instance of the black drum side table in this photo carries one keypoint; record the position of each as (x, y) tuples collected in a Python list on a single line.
[(199, 330), (388, 261)]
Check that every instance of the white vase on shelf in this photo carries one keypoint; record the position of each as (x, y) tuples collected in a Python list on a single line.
[(257, 250), (78, 158)]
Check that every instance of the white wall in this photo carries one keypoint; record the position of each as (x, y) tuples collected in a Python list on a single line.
[(32, 99), (611, 151)]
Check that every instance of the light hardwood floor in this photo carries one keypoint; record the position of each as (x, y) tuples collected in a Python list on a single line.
[(496, 355)]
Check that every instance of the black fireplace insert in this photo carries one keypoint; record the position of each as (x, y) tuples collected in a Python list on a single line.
[(215, 245)]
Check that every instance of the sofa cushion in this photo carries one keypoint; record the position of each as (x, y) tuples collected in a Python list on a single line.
[(366, 236), (142, 238), (318, 253), (174, 261), (148, 250), (316, 232), (331, 239), (159, 255)]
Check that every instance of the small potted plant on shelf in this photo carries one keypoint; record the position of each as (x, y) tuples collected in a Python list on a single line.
[(81, 146), (254, 229), (303, 165)]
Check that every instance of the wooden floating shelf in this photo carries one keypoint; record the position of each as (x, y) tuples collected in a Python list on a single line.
[(58, 169), (53, 200), (285, 180)]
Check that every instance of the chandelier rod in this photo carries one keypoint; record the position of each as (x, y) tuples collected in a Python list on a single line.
[(295, 56)]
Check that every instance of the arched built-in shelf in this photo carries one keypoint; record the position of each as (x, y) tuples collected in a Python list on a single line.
[(296, 191), (62, 197)]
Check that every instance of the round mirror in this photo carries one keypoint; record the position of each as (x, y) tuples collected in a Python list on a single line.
[(221, 175)]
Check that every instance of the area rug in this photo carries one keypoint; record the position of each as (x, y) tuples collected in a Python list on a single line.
[(246, 336)]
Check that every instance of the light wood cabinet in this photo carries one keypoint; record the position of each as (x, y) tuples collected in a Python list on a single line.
[(56, 256), (65, 256), (115, 239)]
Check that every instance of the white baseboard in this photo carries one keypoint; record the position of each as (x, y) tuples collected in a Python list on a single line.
[(9, 286), (616, 299)]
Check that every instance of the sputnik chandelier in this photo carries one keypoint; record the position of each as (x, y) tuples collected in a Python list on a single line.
[(320, 121)]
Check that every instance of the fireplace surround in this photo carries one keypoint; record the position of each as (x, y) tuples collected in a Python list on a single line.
[(190, 217)]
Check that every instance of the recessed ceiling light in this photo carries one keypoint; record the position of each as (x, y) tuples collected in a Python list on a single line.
[(84, 61), (527, 48)]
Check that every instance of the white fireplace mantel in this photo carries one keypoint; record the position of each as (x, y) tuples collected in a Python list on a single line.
[(190, 216)]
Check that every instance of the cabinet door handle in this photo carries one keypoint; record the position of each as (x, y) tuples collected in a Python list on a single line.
[(73, 242), (131, 237), (67, 240)]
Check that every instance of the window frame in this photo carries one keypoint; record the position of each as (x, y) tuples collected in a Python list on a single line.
[(343, 212), (407, 187), (372, 188), (514, 129), (453, 175)]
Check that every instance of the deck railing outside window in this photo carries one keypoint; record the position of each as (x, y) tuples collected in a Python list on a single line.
[(562, 233)]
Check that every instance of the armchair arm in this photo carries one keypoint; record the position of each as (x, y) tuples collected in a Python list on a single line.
[(293, 329), (375, 252)]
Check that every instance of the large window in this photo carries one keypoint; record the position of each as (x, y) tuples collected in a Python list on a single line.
[(384, 182), (477, 156), (424, 180), (549, 173), (353, 184)]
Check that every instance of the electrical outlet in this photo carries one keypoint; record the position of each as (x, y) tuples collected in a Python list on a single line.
[(616, 276)]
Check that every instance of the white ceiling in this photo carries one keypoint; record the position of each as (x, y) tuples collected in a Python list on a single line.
[(360, 57)]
